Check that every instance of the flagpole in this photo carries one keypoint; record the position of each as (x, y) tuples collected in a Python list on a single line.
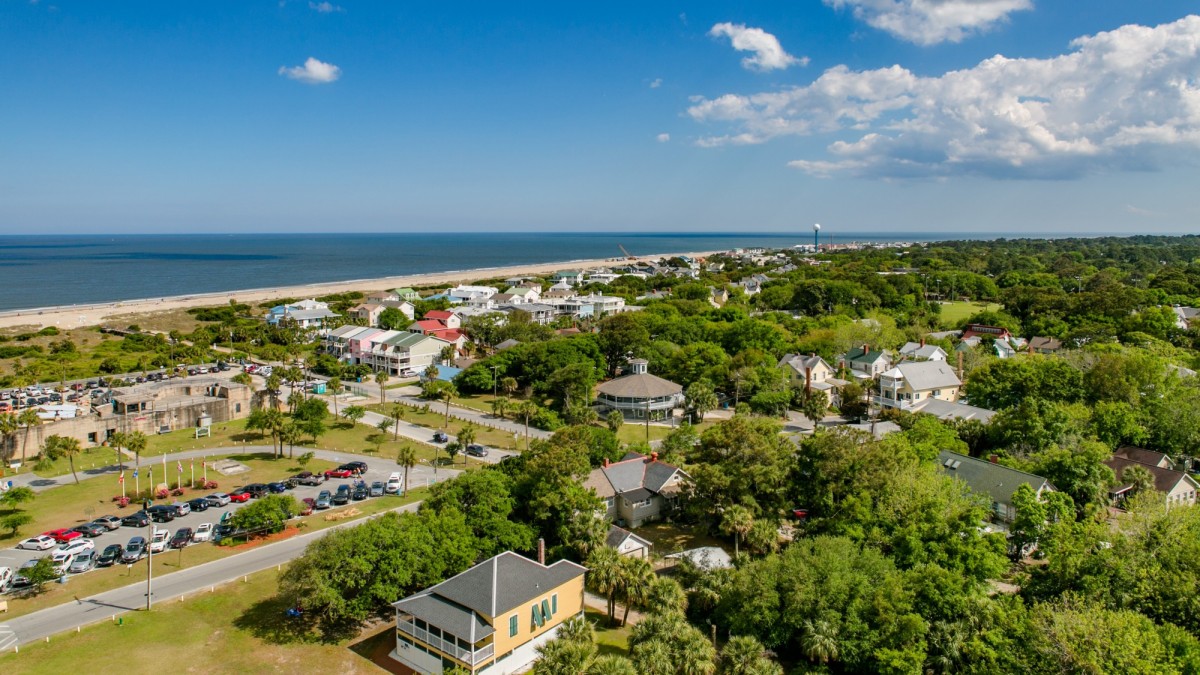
[(193, 472), (204, 466), (121, 480), (137, 481)]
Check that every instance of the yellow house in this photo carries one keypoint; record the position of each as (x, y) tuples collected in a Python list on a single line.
[(911, 383), (489, 619)]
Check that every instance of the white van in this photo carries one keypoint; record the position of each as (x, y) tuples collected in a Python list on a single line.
[(158, 543), (394, 483)]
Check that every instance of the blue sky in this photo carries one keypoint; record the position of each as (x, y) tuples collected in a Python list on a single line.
[(990, 116)]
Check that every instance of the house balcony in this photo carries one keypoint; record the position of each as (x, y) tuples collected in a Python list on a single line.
[(448, 647), (891, 402)]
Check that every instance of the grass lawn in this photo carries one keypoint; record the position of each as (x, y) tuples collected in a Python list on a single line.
[(237, 628), (70, 504), (634, 432), (100, 580), (435, 418), (954, 313), (609, 639), (672, 538)]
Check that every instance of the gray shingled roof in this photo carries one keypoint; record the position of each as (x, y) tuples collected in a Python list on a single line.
[(996, 481), (446, 615), (497, 585), (642, 385), (923, 375), (1165, 480), (634, 472), (617, 535)]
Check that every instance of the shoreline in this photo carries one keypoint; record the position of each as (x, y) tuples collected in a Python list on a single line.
[(93, 314)]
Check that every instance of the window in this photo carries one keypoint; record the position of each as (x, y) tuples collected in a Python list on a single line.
[(237, 407), (546, 610), (936, 392), (554, 604), (512, 625)]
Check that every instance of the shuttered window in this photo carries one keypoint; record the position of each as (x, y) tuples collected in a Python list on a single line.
[(554, 604), (512, 625)]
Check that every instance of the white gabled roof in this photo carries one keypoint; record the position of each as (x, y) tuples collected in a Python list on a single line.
[(923, 375)]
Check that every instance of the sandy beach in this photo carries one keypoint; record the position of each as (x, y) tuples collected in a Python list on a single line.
[(78, 316)]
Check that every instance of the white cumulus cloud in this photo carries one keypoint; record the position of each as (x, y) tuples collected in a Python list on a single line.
[(312, 72), (767, 54), (656, 83), (663, 138), (928, 22), (324, 7), (1127, 99)]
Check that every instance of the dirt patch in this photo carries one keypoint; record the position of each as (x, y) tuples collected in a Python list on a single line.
[(287, 533), (375, 646)]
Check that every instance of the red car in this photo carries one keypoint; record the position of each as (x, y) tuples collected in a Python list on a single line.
[(340, 472), (309, 505), (239, 497), (63, 535)]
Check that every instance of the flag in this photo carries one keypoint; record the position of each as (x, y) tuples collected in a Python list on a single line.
[(180, 466), (135, 473), (122, 478)]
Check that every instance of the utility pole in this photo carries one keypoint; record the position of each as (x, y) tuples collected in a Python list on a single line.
[(149, 556), (647, 421)]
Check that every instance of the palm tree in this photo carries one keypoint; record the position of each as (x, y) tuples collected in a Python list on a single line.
[(118, 441), (819, 641), (8, 426), (335, 388), (508, 385), (654, 657), (447, 354), (666, 594), (67, 446), (500, 405), (576, 629), (527, 409), (355, 413), (28, 419), (466, 436), (738, 521), (741, 655), (604, 572), (447, 393), (396, 413), (635, 576), (291, 434), (381, 379), (406, 457), (273, 422), (274, 381), (294, 400), (611, 664), (135, 442)]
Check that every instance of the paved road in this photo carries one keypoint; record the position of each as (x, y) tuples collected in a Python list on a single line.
[(102, 607), (411, 396), (378, 470), (417, 432)]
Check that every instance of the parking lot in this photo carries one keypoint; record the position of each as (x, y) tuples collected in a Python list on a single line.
[(14, 558)]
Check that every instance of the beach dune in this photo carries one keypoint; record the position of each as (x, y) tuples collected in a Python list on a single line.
[(79, 316)]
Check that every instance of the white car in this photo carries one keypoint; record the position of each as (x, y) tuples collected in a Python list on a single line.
[(6, 578), (158, 543), (77, 546), (38, 543), (203, 533), (394, 483), (60, 560)]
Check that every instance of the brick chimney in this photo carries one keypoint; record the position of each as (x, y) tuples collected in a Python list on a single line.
[(541, 551), (866, 348), (960, 370)]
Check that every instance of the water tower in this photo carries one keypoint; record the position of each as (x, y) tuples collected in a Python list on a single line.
[(816, 237)]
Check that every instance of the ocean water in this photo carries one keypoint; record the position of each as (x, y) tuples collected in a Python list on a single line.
[(44, 271)]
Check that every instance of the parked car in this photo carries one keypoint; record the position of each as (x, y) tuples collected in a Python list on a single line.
[(476, 450), (394, 483), (240, 497), (360, 492), (256, 490), (77, 546), (181, 509), (309, 505), (110, 554), (6, 578), (135, 550), (440, 437), (61, 560), (342, 496), (161, 513), (158, 541), (290, 482), (109, 522), (19, 579), (377, 489), (310, 478), (38, 543), (83, 562), (276, 488), (324, 500), (199, 505), (226, 530), (340, 472), (183, 537), (360, 467), (203, 533), (139, 519), (63, 535), (218, 499)]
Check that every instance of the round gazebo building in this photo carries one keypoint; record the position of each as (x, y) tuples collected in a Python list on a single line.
[(640, 394)]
